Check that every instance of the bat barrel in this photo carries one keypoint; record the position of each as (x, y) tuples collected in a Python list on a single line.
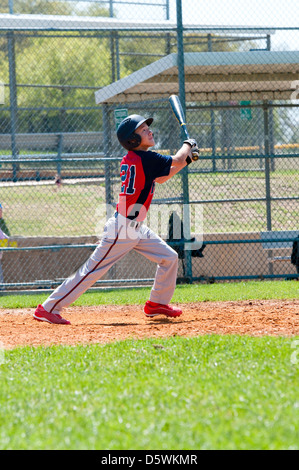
[(179, 114)]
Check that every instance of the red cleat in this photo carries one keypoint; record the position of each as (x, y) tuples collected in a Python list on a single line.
[(41, 314), (151, 309)]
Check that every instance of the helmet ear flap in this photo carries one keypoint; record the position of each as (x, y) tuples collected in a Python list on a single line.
[(133, 141)]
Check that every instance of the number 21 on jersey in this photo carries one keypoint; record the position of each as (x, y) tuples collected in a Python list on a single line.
[(125, 171)]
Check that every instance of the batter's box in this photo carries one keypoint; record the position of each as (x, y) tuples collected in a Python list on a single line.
[(1, 93)]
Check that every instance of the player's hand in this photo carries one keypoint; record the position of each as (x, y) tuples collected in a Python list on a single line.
[(195, 153), (191, 142)]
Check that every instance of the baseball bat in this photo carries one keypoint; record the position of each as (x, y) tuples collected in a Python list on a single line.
[(177, 109)]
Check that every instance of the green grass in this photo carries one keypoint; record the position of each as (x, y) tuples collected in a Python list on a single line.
[(184, 293), (40, 210), (210, 392)]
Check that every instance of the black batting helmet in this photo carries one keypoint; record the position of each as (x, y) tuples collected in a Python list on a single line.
[(126, 131)]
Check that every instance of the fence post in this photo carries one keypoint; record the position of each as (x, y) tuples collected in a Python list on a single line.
[(212, 114), (268, 174), (267, 165), (13, 100), (184, 172), (107, 143), (59, 152), (271, 119)]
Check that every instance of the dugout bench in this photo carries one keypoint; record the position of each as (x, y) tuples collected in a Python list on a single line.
[(276, 243)]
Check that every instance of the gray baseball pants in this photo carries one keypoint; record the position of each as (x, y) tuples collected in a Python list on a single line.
[(121, 235)]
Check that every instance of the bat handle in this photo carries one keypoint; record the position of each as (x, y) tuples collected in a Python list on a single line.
[(195, 157)]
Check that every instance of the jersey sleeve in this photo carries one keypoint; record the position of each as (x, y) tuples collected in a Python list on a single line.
[(156, 165)]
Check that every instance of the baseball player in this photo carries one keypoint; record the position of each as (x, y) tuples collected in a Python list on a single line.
[(140, 170)]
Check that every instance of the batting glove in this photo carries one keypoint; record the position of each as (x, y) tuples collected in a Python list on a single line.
[(191, 142)]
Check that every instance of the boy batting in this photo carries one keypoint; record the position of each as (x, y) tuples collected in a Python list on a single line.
[(140, 170)]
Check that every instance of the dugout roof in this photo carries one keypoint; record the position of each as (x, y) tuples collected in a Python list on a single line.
[(30, 22), (211, 77)]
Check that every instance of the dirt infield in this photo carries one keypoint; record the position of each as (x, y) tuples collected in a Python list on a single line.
[(103, 324)]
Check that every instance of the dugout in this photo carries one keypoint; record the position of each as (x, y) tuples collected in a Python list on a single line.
[(210, 77)]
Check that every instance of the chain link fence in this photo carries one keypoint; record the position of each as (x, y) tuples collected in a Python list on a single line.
[(70, 71)]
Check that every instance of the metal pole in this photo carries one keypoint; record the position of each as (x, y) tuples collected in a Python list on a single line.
[(184, 172), (108, 189), (108, 172), (181, 61), (10, 4), (267, 165), (212, 114), (112, 54), (117, 56), (13, 99), (111, 8), (271, 120), (13, 93), (59, 152), (167, 10), (268, 175), (168, 37)]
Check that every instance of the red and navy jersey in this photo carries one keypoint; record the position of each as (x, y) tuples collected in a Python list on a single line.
[(138, 171)]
